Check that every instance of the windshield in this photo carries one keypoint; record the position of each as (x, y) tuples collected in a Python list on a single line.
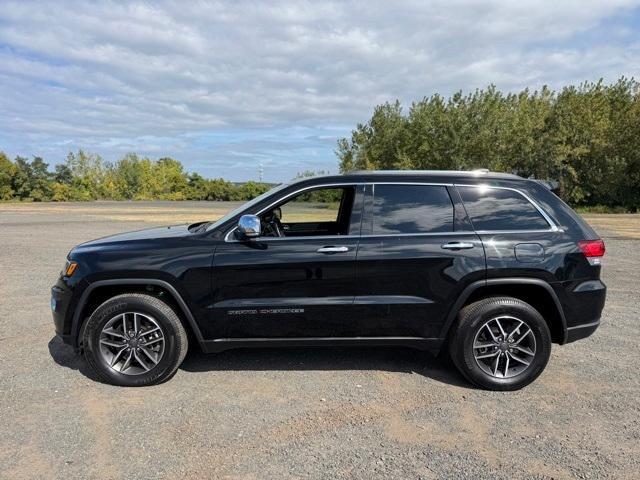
[(244, 206)]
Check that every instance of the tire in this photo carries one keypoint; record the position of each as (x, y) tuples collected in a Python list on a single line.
[(477, 326), (105, 334)]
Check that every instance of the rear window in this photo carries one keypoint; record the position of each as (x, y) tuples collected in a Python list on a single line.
[(411, 209), (498, 209)]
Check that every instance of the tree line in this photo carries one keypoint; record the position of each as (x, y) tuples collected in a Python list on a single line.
[(84, 176), (585, 137)]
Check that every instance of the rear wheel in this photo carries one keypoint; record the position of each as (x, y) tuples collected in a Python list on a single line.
[(134, 340), (500, 343)]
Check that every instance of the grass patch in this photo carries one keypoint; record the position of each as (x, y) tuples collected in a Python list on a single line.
[(601, 209)]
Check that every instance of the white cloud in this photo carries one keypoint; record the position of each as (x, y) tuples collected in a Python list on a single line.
[(111, 76)]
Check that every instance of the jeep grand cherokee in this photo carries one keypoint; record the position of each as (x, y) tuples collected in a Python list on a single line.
[(492, 267)]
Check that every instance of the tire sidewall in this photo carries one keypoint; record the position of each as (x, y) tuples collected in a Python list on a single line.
[(106, 312), (517, 310)]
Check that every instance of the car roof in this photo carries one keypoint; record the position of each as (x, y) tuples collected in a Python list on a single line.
[(444, 176)]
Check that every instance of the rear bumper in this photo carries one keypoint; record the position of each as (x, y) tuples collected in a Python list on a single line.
[(583, 307), (578, 332)]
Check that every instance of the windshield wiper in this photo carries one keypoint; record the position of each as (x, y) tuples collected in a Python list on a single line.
[(199, 227)]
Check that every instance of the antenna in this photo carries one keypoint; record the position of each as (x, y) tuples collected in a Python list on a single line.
[(260, 172)]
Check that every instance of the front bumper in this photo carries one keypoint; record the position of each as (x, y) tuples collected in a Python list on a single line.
[(60, 299)]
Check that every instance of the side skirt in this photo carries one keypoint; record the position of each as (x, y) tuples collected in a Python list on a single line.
[(432, 345)]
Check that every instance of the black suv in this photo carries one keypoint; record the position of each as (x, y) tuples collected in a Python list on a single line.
[(490, 266)]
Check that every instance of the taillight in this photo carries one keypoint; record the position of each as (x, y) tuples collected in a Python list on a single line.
[(593, 250)]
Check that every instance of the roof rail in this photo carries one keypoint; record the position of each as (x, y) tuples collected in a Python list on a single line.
[(464, 173)]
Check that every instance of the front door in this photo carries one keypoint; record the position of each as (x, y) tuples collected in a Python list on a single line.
[(297, 280)]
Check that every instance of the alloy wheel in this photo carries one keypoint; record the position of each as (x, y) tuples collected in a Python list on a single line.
[(132, 343), (504, 346)]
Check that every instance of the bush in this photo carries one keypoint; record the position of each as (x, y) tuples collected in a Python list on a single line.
[(61, 192)]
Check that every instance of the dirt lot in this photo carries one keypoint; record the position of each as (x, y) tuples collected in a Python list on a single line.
[(317, 413)]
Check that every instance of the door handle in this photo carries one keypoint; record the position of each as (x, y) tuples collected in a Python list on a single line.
[(457, 245), (332, 249)]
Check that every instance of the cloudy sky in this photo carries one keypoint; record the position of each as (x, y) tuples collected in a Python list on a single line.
[(226, 86)]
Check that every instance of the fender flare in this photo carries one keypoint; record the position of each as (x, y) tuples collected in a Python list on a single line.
[(466, 293), (77, 321)]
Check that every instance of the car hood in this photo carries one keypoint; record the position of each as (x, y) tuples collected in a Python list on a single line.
[(171, 231)]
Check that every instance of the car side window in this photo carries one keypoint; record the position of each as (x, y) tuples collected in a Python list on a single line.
[(318, 212), (411, 209), (321, 205), (499, 209)]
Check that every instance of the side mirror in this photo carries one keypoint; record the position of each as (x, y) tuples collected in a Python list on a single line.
[(249, 226)]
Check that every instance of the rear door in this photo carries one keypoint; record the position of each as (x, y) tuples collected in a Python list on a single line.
[(417, 253)]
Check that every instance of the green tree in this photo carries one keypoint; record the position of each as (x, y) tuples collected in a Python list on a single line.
[(61, 192), (40, 181), (197, 187), (63, 174), (88, 175), (585, 137), (21, 181), (173, 181), (129, 177), (7, 172)]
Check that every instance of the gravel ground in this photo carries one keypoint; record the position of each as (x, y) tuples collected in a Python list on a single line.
[(294, 413)]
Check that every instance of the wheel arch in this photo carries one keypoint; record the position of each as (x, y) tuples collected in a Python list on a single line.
[(99, 291), (534, 291)]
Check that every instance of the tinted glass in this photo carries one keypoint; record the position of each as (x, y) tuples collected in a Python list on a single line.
[(497, 209), (411, 209)]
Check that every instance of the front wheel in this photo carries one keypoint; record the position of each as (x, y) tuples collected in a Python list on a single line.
[(500, 343), (134, 340)]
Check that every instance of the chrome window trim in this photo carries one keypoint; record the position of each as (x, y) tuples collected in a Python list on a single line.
[(454, 233), (513, 232), (420, 234), (307, 237), (428, 184), (553, 226), (547, 218)]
